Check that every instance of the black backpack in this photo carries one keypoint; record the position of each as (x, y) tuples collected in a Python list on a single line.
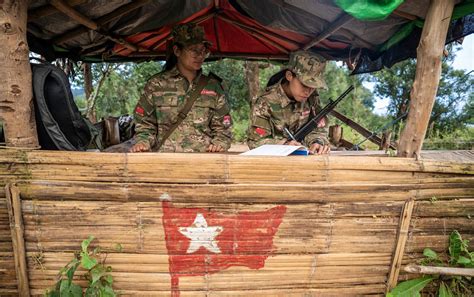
[(59, 123)]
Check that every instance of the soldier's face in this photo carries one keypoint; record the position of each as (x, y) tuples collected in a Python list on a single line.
[(297, 90), (192, 56)]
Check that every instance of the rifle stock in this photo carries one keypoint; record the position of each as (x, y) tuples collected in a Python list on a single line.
[(312, 123)]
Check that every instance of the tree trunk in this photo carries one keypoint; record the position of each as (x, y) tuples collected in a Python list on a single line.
[(428, 72), (252, 79), (91, 100), (87, 80), (16, 93)]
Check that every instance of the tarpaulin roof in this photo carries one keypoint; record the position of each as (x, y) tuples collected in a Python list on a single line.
[(368, 34)]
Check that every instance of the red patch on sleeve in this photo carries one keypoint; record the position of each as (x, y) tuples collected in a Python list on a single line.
[(139, 110), (208, 92), (227, 120), (260, 131)]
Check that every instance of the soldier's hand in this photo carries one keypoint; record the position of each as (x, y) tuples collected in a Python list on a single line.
[(140, 147), (322, 123), (292, 142), (319, 149), (214, 148)]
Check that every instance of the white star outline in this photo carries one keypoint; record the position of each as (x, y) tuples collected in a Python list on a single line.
[(202, 235)]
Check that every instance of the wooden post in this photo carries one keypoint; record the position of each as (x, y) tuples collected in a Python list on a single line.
[(386, 140), (402, 237), (335, 134), (16, 93), (418, 269), (428, 71), (252, 71), (18, 241)]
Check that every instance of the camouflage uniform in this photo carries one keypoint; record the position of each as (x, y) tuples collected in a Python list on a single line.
[(274, 111), (208, 121)]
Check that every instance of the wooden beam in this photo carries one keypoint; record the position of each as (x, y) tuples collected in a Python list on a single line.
[(123, 10), (342, 20), (83, 20), (402, 237), (310, 17), (418, 269), (16, 93), (428, 71), (360, 129), (47, 10), (18, 240), (73, 14)]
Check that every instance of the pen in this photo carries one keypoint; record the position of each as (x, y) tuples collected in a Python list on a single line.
[(289, 134)]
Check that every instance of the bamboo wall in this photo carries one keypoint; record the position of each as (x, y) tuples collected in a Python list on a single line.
[(338, 235)]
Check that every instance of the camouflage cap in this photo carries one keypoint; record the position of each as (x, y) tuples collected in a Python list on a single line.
[(187, 34), (309, 68)]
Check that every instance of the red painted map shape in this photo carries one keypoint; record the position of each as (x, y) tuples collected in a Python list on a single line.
[(200, 242)]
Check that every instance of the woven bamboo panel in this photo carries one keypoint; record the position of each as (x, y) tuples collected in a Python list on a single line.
[(8, 281), (337, 234)]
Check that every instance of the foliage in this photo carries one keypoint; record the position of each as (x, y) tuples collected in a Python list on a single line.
[(358, 105), (459, 139), (97, 274), (450, 127), (233, 76), (458, 256), (453, 107)]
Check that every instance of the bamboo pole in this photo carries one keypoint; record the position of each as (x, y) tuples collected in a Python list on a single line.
[(47, 10), (16, 93), (360, 129), (83, 20), (428, 71), (123, 10), (18, 241), (439, 270), (402, 237)]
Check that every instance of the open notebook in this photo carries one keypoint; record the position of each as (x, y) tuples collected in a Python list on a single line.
[(277, 150)]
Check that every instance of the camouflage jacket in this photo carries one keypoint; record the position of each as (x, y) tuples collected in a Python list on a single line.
[(273, 111), (207, 122)]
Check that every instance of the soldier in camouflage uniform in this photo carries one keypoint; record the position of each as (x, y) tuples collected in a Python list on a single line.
[(287, 105), (207, 126)]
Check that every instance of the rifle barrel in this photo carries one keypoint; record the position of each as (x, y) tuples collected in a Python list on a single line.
[(313, 122)]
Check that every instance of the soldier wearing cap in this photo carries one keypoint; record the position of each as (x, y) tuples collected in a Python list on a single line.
[(289, 100), (207, 126)]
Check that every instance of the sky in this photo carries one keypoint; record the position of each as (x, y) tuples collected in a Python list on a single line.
[(464, 60)]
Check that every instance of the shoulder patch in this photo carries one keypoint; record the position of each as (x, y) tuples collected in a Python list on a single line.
[(139, 110), (208, 92)]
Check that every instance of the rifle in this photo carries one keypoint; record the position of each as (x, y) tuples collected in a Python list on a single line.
[(312, 123)]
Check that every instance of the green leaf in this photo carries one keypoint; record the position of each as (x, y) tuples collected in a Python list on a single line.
[(444, 291), (463, 260), (68, 289), (87, 262), (455, 245), (109, 279), (107, 291), (430, 254), (96, 273), (86, 242), (411, 287), (70, 272), (92, 292)]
